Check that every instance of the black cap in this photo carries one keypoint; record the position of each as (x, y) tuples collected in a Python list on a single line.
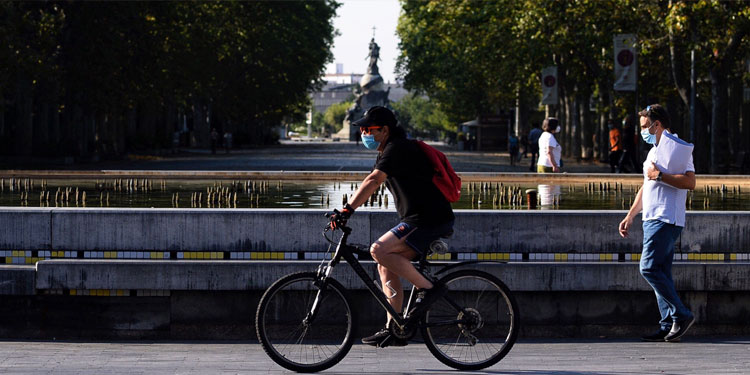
[(377, 116), (655, 112)]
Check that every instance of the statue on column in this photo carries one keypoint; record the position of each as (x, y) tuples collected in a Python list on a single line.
[(371, 93)]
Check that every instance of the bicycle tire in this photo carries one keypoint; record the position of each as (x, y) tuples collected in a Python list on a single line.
[(290, 342), (491, 320)]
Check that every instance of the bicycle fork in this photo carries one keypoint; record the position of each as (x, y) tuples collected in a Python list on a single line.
[(320, 282)]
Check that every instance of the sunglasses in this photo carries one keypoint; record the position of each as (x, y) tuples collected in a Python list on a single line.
[(368, 130), (651, 119)]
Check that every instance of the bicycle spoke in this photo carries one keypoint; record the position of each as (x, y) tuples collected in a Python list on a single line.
[(481, 332), (289, 333)]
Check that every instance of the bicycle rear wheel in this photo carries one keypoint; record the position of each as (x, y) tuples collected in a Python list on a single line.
[(294, 339), (478, 328)]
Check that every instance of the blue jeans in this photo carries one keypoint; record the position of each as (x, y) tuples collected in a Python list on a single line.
[(656, 267)]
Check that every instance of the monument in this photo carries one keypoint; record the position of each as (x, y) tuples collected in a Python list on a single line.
[(370, 94)]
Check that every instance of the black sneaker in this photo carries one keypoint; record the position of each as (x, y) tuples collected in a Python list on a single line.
[(658, 336), (426, 297), (679, 329), (383, 338)]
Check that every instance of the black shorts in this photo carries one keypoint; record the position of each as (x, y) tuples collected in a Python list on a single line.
[(420, 238)]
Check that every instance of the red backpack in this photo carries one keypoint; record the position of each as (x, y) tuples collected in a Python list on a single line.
[(446, 180)]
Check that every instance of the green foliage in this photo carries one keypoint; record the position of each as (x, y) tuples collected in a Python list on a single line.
[(335, 115), (421, 116), (479, 57), (246, 65), (319, 126)]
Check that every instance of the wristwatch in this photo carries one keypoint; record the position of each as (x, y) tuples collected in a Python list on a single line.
[(658, 178)]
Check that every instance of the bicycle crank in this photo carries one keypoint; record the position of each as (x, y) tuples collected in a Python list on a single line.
[(405, 332)]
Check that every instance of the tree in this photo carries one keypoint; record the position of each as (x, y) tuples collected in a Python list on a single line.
[(474, 57), (422, 117), (335, 115), (718, 32), (104, 78)]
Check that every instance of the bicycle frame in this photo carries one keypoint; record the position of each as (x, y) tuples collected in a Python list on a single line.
[(345, 251)]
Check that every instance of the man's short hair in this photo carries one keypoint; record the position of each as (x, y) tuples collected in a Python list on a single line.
[(655, 112)]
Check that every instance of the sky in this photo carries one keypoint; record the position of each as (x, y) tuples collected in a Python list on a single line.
[(354, 21)]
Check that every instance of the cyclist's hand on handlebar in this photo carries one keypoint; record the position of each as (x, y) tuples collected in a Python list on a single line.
[(339, 218)]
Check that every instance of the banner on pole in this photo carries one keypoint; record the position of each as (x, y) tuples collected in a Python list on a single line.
[(625, 62), (549, 85)]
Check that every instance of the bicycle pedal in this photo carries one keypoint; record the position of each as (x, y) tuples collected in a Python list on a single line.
[(392, 341), (386, 342)]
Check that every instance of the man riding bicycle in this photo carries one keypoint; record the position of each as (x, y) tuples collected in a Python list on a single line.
[(425, 214)]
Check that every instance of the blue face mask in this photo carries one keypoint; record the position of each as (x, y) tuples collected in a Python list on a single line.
[(370, 142), (648, 137)]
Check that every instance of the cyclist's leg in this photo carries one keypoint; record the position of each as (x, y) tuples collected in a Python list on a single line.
[(395, 256), (391, 252), (395, 297)]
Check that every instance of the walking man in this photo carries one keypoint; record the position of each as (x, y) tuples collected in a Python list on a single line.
[(425, 214), (534, 135), (662, 200)]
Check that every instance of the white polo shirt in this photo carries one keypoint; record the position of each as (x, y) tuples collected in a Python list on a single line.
[(662, 201)]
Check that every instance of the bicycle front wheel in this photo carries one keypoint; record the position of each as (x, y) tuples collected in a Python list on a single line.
[(297, 338), (475, 325)]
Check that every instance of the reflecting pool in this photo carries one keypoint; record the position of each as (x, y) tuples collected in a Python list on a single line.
[(160, 193)]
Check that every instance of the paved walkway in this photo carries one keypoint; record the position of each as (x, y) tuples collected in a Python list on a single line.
[(716, 356)]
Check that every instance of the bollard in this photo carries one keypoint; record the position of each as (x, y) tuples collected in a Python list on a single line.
[(531, 199)]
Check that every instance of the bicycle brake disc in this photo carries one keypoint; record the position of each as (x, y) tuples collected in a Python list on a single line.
[(473, 320)]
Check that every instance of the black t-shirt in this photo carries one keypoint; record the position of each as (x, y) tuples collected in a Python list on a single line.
[(418, 200)]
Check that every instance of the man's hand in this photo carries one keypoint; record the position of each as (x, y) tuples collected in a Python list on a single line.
[(339, 218), (625, 226), (652, 172)]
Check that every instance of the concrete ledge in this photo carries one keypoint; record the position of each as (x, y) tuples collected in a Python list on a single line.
[(25, 228), (17, 280), (298, 230), (258, 275)]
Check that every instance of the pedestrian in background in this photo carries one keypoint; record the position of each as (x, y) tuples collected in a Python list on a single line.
[(550, 150), (214, 135), (227, 141), (628, 161), (615, 147), (534, 135), (662, 200), (513, 148)]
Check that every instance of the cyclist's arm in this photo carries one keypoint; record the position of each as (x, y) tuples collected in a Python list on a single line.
[(369, 185)]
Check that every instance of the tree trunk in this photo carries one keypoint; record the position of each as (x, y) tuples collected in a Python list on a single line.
[(733, 116), (24, 127), (200, 134), (55, 132), (131, 126), (564, 136), (600, 147), (719, 141), (574, 134), (682, 84)]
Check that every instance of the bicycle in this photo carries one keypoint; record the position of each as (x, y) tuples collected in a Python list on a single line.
[(306, 322)]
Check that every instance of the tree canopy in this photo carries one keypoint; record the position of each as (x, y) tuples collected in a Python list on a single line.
[(85, 78), (479, 57)]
